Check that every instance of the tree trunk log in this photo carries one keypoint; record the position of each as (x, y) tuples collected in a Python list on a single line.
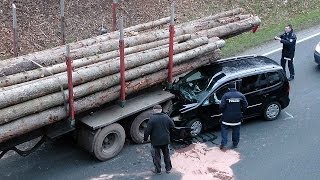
[(33, 89), (32, 122), (229, 13), (77, 63), (230, 29)]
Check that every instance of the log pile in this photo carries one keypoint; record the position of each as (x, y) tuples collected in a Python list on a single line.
[(30, 95)]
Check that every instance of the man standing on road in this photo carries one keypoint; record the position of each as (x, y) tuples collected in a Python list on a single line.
[(288, 39), (158, 129), (233, 103)]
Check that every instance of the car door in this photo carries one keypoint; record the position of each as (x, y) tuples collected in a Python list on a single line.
[(209, 110), (275, 86), (253, 87)]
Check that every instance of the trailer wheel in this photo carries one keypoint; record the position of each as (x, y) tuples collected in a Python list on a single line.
[(109, 142), (138, 126)]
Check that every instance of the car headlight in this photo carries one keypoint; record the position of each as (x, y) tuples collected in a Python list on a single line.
[(318, 48)]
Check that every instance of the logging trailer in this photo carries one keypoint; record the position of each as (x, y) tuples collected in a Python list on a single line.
[(102, 132)]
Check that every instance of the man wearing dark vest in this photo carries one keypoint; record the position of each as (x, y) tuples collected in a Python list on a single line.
[(233, 103), (288, 39)]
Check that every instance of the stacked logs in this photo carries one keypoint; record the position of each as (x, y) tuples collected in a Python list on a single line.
[(30, 85)]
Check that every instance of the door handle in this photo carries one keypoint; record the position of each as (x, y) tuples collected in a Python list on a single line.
[(216, 115)]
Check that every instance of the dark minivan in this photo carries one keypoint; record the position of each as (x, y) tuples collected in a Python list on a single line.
[(199, 92)]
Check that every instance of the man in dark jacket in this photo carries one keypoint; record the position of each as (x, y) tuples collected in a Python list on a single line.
[(288, 39), (233, 103), (158, 129)]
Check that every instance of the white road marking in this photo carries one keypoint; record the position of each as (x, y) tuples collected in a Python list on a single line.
[(299, 41), (290, 116)]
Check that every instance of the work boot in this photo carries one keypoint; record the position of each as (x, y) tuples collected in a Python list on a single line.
[(291, 78), (222, 148), (234, 146), (156, 172)]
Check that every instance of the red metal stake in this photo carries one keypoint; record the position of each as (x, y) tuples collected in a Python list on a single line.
[(14, 17), (122, 65), (114, 14), (255, 28), (171, 41), (70, 86)]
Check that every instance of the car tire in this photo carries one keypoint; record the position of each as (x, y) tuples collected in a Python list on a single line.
[(196, 127), (272, 111), (138, 126), (109, 142)]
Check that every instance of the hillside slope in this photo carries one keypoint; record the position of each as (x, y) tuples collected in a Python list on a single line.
[(39, 23)]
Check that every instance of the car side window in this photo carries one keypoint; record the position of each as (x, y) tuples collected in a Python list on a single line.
[(221, 91), (253, 83), (248, 83), (274, 78), (262, 82)]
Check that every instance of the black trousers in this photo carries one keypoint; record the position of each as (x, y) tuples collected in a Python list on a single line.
[(156, 155), (290, 65)]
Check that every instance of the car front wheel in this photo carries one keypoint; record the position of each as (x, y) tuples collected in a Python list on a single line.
[(195, 126)]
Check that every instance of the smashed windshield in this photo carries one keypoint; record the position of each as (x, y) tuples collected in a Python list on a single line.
[(196, 84)]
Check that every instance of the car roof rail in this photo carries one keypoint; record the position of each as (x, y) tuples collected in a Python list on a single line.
[(237, 58)]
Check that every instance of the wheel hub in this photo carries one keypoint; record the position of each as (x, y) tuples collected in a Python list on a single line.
[(109, 141), (196, 128), (273, 111)]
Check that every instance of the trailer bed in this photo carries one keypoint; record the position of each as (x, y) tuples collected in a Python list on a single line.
[(134, 105)]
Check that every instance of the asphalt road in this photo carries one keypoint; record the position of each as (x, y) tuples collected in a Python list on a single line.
[(287, 148)]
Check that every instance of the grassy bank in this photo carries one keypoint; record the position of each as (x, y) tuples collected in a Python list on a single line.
[(269, 29)]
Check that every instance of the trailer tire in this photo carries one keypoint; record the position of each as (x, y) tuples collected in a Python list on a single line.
[(138, 125), (109, 142)]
